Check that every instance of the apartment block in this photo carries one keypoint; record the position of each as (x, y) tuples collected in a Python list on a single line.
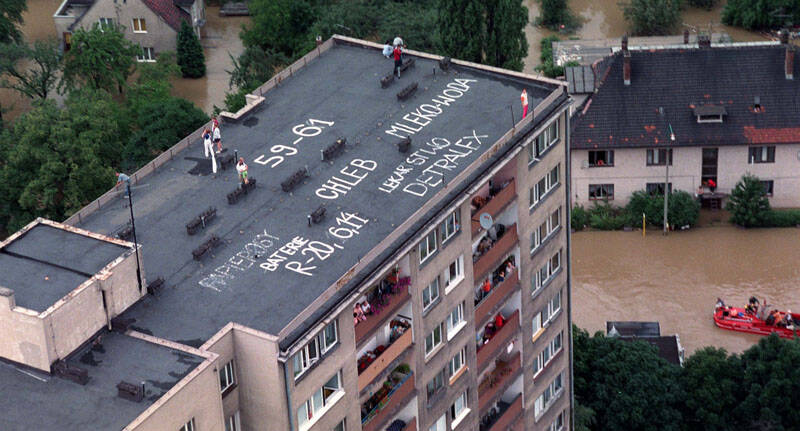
[(398, 260)]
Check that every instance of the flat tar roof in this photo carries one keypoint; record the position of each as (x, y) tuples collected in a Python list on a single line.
[(46, 263), (48, 402), (271, 264)]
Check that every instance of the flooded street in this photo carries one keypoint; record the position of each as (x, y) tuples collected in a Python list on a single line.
[(603, 19), (676, 279)]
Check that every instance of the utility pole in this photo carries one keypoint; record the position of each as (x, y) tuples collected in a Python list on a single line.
[(133, 228), (668, 157)]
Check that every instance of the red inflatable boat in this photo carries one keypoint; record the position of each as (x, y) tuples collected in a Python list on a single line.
[(737, 319)]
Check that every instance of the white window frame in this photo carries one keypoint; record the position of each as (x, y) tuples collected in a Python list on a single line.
[(551, 393), (432, 286), (458, 414), (454, 326), (458, 358), (546, 273), (227, 376), (440, 424), (545, 357), (233, 423), (311, 353), (551, 310), (148, 55), (538, 325), (536, 194), (428, 246), (140, 21), (558, 422), (341, 426), (188, 426), (762, 152), (548, 227), (104, 23), (451, 280), (317, 411), (434, 345), (451, 225), (541, 143), (438, 383), (653, 156)]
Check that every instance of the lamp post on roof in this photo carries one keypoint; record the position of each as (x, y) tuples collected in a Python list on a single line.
[(122, 178)]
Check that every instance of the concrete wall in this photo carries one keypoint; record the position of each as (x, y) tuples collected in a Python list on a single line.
[(159, 36), (630, 172), (75, 318), (120, 283), (23, 338)]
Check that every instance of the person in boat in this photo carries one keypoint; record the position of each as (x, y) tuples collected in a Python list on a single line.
[(752, 306), (788, 320), (774, 315)]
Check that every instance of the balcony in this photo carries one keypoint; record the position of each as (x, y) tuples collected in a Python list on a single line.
[(494, 384), (507, 415), (384, 303), (384, 360), (488, 305), (495, 205), (498, 341), (484, 262), (386, 402)]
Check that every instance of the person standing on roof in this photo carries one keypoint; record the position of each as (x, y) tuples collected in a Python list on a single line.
[(387, 48), (241, 169), (208, 148), (398, 55), (397, 41), (216, 134)]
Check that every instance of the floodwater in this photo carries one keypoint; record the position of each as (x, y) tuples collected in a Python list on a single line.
[(220, 37), (603, 19), (676, 279)]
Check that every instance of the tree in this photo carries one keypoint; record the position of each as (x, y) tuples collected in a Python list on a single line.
[(652, 17), (190, 54), (704, 4), (100, 59), (748, 203), (506, 45), (760, 14), (10, 19), (462, 28), (683, 210), (712, 381), (39, 75), (280, 25), (770, 378), (416, 23)]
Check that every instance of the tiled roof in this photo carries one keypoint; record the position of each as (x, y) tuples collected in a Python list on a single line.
[(681, 80), (169, 12)]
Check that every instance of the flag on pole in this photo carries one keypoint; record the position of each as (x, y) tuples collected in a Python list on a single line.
[(524, 98)]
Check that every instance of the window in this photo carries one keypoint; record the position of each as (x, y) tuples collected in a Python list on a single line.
[(232, 423), (544, 186), (654, 189), (550, 393), (341, 426), (146, 54), (761, 155), (227, 378), (458, 410), (537, 325), (105, 23), (319, 345), (658, 157), (458, 361), (434, 339), (430, 294), (451, 225), (601, 191), (551, 309), (544, 230), (427, 246), (435, 384), (715, 118), (188, 426), (139, 25), (454, 274), (439, 425), (553, 178), (320, 401), (769, 186), (546, 273), (455, 321), (558, 423), (547, 355), (545, 140), (598, 158)]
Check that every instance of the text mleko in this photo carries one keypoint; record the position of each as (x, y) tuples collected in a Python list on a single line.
[(416, 120), (432, 163)]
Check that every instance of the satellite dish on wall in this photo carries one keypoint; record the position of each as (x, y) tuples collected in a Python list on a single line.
[(486, 221)]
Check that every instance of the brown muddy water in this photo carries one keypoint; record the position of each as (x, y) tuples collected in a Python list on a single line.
[(603, 19), (220, 37), (676, 279)]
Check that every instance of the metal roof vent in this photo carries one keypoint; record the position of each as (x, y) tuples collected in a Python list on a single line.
[(130, 391)]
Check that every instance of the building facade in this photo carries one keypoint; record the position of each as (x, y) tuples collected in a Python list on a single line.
[(452, 315), (732, 114), (151, 24)]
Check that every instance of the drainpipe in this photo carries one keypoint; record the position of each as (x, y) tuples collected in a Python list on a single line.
[(288, 397), (568, 184)]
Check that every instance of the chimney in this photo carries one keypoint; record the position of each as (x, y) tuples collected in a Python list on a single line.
[(626, 67), (784, 37), (789, 63), (686, 36), (704, 41)]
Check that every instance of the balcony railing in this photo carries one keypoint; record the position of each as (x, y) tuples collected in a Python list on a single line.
[(498, 341), (499, 250), (496, 205), (505, 418), (382, 312), (386, 404), (497, 382), (496, 296), (392, 352)]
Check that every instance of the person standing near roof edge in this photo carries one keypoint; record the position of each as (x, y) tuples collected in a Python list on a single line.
[(208, 148), (398, 55), (387, 48), (216, 134)]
